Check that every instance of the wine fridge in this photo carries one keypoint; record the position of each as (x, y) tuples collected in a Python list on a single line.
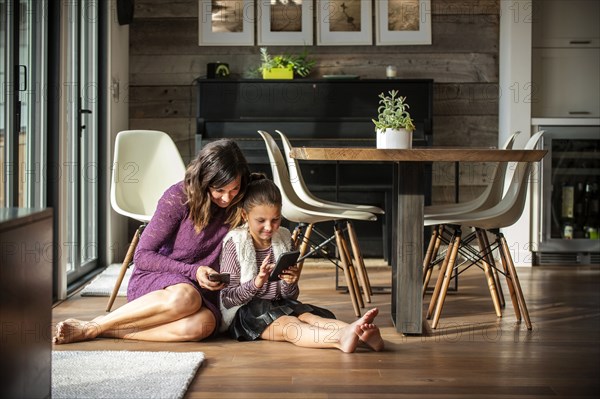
[(567, 221)]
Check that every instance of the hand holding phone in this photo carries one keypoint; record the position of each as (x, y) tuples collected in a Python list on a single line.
[(219, 277)]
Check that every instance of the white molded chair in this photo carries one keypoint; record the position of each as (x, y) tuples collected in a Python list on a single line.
[(145, 164), (296, 210), (305, 194), (503, 214), (488, 198)]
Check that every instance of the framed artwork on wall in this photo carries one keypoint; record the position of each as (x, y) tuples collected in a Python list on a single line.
[(284, 22), (344, 22), (226, 22), (403, 22)]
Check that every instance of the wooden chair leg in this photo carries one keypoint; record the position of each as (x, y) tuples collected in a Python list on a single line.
[(498, 284), (447, 278), (492, 262), (304, 245), (124, 266), (360, 263), (352, 270), (344, 260), (432, 251), (511, 289), (491, 281), (296, 234), (440, 279), (429, 252), (515, 281)]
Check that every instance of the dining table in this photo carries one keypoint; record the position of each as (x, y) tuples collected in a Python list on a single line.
[(408, 211)]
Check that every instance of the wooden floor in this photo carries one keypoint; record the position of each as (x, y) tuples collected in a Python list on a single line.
[(471, 354)]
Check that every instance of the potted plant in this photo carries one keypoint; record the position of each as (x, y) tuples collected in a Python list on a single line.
[(284, 66), (393, 125)]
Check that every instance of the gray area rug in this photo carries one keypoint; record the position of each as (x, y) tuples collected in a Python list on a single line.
[(123, 374), (102, 284)]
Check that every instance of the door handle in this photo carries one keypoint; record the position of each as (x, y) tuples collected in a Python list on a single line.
[(83, 111)]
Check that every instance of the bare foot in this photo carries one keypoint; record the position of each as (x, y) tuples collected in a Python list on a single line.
[(73, 330), (369, 316), (352, 335), (371, 336), (349, 338)]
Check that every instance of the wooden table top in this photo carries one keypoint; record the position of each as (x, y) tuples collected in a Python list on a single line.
[(424, 154)]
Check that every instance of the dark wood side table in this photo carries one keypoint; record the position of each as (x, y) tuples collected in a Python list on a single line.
[(25, 302)]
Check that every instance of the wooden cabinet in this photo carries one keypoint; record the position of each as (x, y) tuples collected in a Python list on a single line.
[(565, 59), (567, 83), (25, 302), (566, 23)]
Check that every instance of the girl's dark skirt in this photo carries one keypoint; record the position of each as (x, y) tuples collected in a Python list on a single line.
[(253, 318)]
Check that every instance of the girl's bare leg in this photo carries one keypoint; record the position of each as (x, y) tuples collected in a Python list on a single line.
[(291, 329), (151, 310), (322, 322), (294, 330), (371, 337)]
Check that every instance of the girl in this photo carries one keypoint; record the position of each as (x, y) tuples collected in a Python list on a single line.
[(170, 295), (253, 307)]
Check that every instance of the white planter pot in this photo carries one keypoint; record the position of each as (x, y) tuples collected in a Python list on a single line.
[(392, 138)]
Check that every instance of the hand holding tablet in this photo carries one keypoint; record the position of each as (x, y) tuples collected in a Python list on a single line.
[(285, 260)]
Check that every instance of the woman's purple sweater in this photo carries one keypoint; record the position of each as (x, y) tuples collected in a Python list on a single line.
[(170, 251)]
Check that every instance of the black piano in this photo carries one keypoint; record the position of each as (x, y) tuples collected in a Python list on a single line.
[(317, 112)]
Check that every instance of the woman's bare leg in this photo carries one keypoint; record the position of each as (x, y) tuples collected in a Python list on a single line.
[(153, 309), (195, 327)]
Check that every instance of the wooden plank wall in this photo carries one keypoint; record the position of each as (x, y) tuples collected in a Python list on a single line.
[(463, 60)]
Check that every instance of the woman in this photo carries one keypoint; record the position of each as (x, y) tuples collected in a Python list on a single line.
[(170, 295)]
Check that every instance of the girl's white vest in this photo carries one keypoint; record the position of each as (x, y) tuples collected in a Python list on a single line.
[(246, 256)]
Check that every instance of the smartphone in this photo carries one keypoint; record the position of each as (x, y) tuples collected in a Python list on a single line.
[(219, 277), (284, 261)]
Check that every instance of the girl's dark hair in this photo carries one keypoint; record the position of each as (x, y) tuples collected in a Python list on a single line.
[(261, 191), (218, 164)]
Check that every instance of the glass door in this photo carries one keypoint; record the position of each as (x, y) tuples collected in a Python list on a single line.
[(4, 68), (23, 135), (49, 60), (81, 150)]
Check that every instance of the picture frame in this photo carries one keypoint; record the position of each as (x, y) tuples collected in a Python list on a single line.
[(403, 22), (285, 23), (226, 23), (344, 22)]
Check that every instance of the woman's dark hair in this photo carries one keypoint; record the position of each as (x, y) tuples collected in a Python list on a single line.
[(261, 191), (218, 164)]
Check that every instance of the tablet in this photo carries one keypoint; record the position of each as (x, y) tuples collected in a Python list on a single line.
[(284, 261)]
